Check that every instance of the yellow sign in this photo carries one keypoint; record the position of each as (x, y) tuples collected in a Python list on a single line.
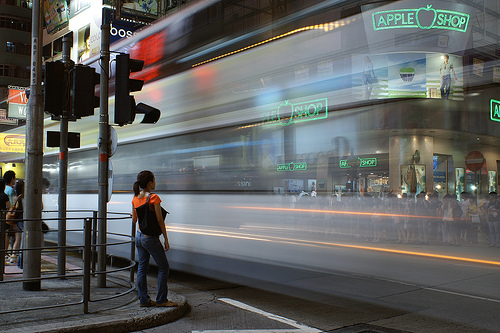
[(12, 143)]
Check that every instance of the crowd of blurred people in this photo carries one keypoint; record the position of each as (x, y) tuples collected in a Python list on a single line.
[(408, 218), (12, 208)]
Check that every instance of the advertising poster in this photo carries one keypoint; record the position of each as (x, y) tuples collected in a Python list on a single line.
[(56, 14), (459, 181), (412, 178), (436, 67), (84, 49), (145, 6), (407, 75), (492, 186)]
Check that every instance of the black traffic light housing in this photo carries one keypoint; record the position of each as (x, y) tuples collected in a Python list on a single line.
[(83, 99), (125, 107), (55, 89)]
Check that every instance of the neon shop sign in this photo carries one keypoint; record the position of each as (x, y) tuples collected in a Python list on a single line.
[(422, 18), (495, 110), (292, 167), (363, 163), (288, 113)]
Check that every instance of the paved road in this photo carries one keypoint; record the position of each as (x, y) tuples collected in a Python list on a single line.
[(231, 308)]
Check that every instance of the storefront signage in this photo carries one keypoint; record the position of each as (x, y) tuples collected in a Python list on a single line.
[(18, 100), (363, 163), (421, 18), (288, 113), (495, 110), (12, 143), (292, 167)]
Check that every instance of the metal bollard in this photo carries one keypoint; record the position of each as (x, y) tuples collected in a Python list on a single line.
[(87, 257), (132, 253), (3, 232), (94, 242)]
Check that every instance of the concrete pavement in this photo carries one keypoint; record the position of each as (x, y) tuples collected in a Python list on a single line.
[(121, 314)]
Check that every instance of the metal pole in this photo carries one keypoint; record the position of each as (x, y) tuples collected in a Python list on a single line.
[(103, 153), (32, 258), (86, 264), (63, 172)]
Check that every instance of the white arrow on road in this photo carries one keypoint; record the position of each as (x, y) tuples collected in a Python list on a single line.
[(300, 328)]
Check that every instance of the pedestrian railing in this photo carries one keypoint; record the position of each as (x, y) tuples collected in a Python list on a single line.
[(88, 249)]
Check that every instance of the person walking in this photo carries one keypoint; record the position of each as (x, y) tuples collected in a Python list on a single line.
[(150, 245)]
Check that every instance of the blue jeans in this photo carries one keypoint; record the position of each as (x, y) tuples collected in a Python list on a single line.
[(148, 246), (445, 86)]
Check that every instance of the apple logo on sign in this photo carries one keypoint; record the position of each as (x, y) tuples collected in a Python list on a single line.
[(285, 113), (426, 16), (407, 74)]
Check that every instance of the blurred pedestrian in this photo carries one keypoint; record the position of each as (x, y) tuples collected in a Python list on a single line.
[(494, 219), (150, 245)]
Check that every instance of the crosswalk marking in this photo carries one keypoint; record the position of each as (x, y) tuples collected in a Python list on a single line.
[(299, 328)]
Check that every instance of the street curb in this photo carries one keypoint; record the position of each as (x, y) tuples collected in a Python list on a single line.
[(126, 321)]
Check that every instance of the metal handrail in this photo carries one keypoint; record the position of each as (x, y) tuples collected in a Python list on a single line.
[(88, 268)]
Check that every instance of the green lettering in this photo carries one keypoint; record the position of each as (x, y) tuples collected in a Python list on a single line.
[(381, 21), (390, 18), (410, 18), (496, 112), (440, 19), (397, 18)]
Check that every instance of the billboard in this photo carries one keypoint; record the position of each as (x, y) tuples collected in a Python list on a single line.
[(56, 14), (407, 75)]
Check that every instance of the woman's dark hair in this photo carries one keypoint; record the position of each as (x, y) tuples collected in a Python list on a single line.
[(143, 179), (86, 34), (19, 187), (2, 185)]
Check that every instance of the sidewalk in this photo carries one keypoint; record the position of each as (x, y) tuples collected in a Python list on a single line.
[(121, 314)]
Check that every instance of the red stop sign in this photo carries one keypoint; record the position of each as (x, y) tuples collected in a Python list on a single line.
[(474, 161)]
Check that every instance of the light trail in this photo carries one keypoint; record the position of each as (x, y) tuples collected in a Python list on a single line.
[(340, 212), (320, 244)]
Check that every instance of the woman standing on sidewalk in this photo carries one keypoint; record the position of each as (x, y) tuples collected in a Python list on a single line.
[(150, 245)]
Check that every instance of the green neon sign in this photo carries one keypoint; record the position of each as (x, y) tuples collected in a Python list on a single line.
[(288, 113), (367, 162), (292, 167), (495, 110), (422, 18), (344, 164), (363, 162)]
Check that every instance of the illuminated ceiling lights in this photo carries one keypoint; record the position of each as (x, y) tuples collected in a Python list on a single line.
[(326, 27)]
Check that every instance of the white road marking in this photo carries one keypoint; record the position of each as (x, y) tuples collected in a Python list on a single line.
[(300, 328)]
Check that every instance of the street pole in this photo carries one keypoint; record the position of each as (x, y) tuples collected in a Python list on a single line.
[(63, 171), (103, 143), (34, 161)]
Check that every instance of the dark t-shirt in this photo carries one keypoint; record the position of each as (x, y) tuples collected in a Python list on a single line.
[(4, 198), (494, 216)]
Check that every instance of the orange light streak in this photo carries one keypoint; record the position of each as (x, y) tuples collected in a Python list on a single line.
[(331, 212), (303, 242)]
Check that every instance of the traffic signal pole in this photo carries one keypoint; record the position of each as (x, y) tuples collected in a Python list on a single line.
[(63, 170), (34, 160), (104, 148)]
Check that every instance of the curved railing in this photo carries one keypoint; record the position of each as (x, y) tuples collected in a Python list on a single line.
[(88, 249)]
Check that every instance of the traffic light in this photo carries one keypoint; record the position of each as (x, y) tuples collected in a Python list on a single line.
[(55, 88), (125, 107), (83, 91)]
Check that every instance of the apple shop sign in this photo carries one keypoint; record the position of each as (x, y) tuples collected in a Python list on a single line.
[(495, 110), (421, 18)]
